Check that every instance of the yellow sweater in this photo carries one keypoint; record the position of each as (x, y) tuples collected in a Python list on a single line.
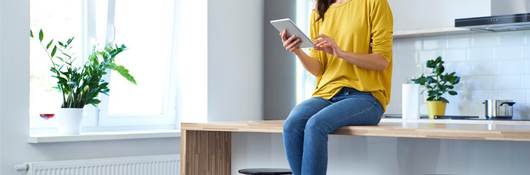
[(358, 26)]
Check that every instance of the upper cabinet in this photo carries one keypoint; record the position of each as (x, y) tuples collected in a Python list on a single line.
[(431, 17)]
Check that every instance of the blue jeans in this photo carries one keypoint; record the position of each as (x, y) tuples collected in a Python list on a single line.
[(305, 132)]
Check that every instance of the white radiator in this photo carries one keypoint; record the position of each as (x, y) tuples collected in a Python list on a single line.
[(143, 165)]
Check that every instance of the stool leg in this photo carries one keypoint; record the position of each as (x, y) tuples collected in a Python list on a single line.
[(205, 153)]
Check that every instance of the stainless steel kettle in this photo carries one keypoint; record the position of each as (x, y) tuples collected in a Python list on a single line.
[(498, 108)]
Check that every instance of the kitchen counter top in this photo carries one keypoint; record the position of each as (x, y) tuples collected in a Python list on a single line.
[(206, 147), (433, 129)]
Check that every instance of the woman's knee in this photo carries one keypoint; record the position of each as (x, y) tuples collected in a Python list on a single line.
[(298, 117), (293, 123), (317, 125)]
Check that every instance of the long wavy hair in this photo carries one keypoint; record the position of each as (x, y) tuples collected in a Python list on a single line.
[(322, 7)]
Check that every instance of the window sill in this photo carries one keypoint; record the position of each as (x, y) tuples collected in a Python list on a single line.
[(105, 136)]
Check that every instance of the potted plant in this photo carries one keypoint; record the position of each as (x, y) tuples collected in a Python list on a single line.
[(80, 81), (437, 84)]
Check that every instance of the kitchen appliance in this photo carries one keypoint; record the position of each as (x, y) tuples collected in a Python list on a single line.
[(507, 15), (498, 108)]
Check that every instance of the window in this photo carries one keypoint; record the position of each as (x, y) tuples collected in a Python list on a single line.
[(145, 27), (305, 82)]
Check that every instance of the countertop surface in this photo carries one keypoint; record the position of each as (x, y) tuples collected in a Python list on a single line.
[(433, 129)]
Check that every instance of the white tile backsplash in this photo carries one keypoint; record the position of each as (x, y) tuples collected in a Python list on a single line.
[(459, 41), (484, 40), (509, 53), (481, 54), (512, 38), (456, 54), (492, 66)]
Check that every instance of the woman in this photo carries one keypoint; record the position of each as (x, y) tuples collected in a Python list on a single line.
[(352, 61)]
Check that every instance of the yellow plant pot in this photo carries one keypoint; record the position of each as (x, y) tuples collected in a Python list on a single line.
[(435, 108)]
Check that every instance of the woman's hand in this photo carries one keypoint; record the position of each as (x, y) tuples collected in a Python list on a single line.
[(291, 43), (327, 44)]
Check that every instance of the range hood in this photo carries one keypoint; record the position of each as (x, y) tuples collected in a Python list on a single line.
[(507, 15)]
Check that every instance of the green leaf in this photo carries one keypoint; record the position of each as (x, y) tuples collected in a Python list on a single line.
[(70, 41), (41, 35), (431, 64), (439, 59), (54, 50), (453, 93), (49, 44), (440, 69), (124, 72), (31, 33)]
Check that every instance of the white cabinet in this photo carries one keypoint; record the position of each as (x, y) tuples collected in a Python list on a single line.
[(419, 17)]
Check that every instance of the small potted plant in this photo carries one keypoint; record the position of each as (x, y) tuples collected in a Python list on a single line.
[(437, 84), (80, 81)]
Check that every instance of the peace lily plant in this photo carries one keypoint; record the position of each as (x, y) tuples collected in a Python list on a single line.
[(437, 84), (80, 81)]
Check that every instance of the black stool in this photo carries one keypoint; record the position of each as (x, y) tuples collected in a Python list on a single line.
[(265, 171)]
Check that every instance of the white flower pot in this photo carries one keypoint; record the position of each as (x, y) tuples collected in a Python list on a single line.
[(70, 120)]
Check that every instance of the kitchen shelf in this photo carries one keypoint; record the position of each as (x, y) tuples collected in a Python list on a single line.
[(429, 32)]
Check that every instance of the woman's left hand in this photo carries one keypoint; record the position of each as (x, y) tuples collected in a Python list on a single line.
[(327, 44)]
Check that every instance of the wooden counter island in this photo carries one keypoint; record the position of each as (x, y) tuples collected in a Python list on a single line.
[(206, 147)]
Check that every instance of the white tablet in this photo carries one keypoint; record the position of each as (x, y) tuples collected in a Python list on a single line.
[(292, 29)]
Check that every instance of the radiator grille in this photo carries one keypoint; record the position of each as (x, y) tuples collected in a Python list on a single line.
[(144, 165)]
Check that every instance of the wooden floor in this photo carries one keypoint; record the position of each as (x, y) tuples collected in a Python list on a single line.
[(206, 147)]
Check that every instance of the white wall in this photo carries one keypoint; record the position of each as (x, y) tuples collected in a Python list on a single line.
[(1, 85), (279, 66), (235, 54), (14, 123)]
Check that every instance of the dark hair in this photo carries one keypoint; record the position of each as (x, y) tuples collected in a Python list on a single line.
[(322, 7)]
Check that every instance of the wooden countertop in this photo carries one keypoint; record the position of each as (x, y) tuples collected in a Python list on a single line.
[(501, 131)]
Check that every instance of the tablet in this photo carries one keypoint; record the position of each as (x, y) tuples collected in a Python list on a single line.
[(292, 29)]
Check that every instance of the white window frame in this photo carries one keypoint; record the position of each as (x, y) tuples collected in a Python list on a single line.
[(303, 78), (169, 118), (99, 119)]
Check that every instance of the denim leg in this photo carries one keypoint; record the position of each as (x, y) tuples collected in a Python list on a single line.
[(293, 130), (358, 110)]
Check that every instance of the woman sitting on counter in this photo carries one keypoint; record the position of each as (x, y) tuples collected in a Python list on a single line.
[(352, 62)]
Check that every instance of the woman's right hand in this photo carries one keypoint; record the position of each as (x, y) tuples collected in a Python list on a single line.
[(290, 42)]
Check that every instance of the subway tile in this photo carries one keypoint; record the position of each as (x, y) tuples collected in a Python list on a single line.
[(433, 43), (482, 95), (526, 52), (517, 38), (483, 54), (525, 80), (479, 83), (483, 68), (508, 82), (463, 69), (410, 44), (484, 40), (512, 67), (455, 54), (431, 54), (509, 53), (516, 95), (459, 41)]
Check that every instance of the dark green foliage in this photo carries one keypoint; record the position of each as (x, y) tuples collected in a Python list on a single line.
[(438, 83), (81, 85)]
